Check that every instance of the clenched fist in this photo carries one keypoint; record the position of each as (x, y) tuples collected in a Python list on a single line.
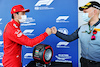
[(54, 30), (48, 31)]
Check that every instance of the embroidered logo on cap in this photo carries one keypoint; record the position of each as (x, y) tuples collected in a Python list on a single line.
[(14, 9), (21, 7)]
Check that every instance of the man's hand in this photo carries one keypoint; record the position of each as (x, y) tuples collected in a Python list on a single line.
[(48, 31), (54, 30)]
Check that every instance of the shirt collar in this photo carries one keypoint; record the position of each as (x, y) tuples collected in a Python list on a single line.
[(95, 23), (17, 24)]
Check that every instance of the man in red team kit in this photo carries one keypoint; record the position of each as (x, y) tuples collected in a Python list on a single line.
[(14, 38)]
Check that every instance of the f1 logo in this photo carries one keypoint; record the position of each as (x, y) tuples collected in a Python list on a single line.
[(1, 44), (28, 56), (62, 19), (63, 45), (0, 19), (1, 55), (44, 2), (0, 32), (28, 32)]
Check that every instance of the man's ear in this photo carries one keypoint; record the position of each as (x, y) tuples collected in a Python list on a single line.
[(95, 12)]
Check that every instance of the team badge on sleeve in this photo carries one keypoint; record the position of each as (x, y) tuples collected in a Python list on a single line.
[(18, 33)]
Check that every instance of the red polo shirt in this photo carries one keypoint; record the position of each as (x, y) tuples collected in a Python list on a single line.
[(13, 41)]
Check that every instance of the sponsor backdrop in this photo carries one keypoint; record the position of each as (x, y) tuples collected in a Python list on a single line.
[(45, 13)]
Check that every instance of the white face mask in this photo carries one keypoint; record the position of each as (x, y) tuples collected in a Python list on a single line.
[(23, 18), (85, 17)]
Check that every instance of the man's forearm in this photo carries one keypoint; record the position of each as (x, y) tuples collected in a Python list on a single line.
[(68, 38)]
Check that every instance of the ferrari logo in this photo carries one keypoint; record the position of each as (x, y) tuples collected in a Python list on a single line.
[(14, 10)]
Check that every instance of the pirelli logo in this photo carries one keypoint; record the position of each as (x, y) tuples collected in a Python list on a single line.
[(96, 7)]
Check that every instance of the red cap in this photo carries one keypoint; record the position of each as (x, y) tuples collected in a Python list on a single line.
[(18, 8)]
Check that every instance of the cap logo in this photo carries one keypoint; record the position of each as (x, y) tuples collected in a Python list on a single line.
[(14, 10), (88, 4), (21, 7), (96, 7)]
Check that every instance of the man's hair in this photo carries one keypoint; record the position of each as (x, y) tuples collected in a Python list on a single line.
[(13, 15)]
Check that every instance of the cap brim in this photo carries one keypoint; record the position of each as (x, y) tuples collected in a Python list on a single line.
[(26, 10), (83, 7)]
